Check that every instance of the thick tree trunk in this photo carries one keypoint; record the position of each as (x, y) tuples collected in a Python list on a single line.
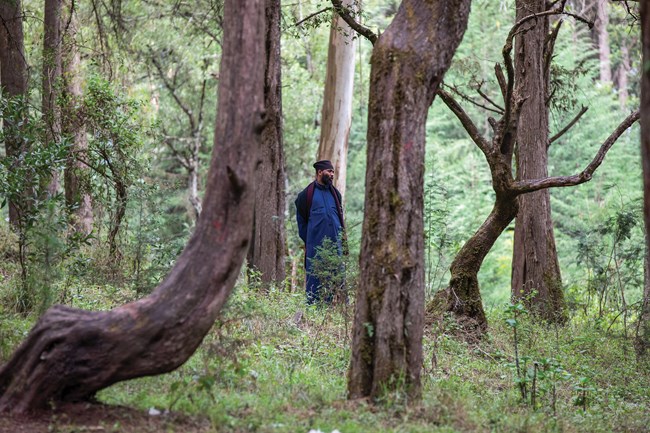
[(389, 310), (604, 52), (267, 251), (51, 74), (336, 117), (464, 297), (13, 80), (643, 338), (535, 266), (76, 176), (70, 354)]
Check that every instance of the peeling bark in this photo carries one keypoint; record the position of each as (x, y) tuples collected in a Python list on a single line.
[(70, 354)]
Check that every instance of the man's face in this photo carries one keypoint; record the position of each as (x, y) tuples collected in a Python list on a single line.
[(326, 177)]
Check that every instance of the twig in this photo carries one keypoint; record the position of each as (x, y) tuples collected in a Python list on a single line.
[(471, 101), (568, 126), (308, 17), (467, 122)]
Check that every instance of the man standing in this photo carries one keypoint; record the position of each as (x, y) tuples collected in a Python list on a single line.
[(320, 216)]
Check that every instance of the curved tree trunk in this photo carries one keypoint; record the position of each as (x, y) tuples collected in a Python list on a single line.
[(76, 176), (464, 297), (643, 338), (267, 251), (336, 117), (51, 75), (389, 310), (70, 354), (13, 80), (535, 266)]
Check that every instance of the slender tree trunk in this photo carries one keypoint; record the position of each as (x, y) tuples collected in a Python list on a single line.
[(76, 176), (336, 117), (643, 338), (267, 251), (535, 266), (13, 80), (193, 188), (389, 310), (621, 75), (604, 52), (464, 296), (51, 75), (70, 354)]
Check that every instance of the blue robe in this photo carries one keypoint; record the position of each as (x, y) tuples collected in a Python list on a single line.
[(324, 221)]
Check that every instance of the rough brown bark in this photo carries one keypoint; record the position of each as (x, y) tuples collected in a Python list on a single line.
[(336, 117), (13, 79), (267, 251), (51, 75), (70, 354), (643, 338), (389, 310), (76, 175), (535, 266)]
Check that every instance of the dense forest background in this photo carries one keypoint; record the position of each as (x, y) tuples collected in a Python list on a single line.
[(149, 71)]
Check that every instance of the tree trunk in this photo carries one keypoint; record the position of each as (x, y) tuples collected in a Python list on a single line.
[(643, 338), (70, 354), (535, 266), (389, 310), (621, 75), (604, 52), (76, 176), (464, 297), (51, 74), (336, 117), (13, 81), (267, 251)]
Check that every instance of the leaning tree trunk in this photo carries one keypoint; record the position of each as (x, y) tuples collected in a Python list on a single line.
[(267, 251), (336, 117), (70, 354), (51, 75), (535, 266), (643, 339), (389, 311), (76, 176), (13, 81), (464, 296)]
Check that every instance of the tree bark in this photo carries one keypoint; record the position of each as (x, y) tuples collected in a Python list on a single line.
[(70, 354), (643, 338), (389, 310), (13, 80), (51, 74), (604, 52), (336, 117), (76, 175), (535, 266), (267, 251)]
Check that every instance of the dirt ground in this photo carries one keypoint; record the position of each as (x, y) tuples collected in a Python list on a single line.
[(86, 417)]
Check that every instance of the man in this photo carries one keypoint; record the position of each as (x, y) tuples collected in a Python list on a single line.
[(320, 216)]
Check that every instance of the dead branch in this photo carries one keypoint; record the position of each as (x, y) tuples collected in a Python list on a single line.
[(489, 100), (345, 14), (471, 101), (526, 186), (568, 126), (466, 121)]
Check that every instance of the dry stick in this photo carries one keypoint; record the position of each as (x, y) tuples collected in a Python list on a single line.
[(470, 100), (488, 99), (568, 126)]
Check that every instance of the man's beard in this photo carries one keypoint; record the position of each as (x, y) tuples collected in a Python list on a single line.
[(327, 180)]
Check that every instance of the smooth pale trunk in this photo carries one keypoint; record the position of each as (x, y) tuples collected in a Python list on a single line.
[(336, 117)]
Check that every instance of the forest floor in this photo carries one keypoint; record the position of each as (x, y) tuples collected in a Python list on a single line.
[(260, 369)]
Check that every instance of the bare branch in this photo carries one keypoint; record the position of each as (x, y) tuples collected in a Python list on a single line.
[(467, 122), (488, 99), (525, 186), (498, 71), (549, 48), (308, 17), (172, 90), (471, 101), (568, 126), (345, 14)]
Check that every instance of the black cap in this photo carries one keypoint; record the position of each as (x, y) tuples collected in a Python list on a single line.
[(323, 165)]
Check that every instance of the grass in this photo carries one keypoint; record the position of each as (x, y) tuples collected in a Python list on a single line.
[(260, 371)]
